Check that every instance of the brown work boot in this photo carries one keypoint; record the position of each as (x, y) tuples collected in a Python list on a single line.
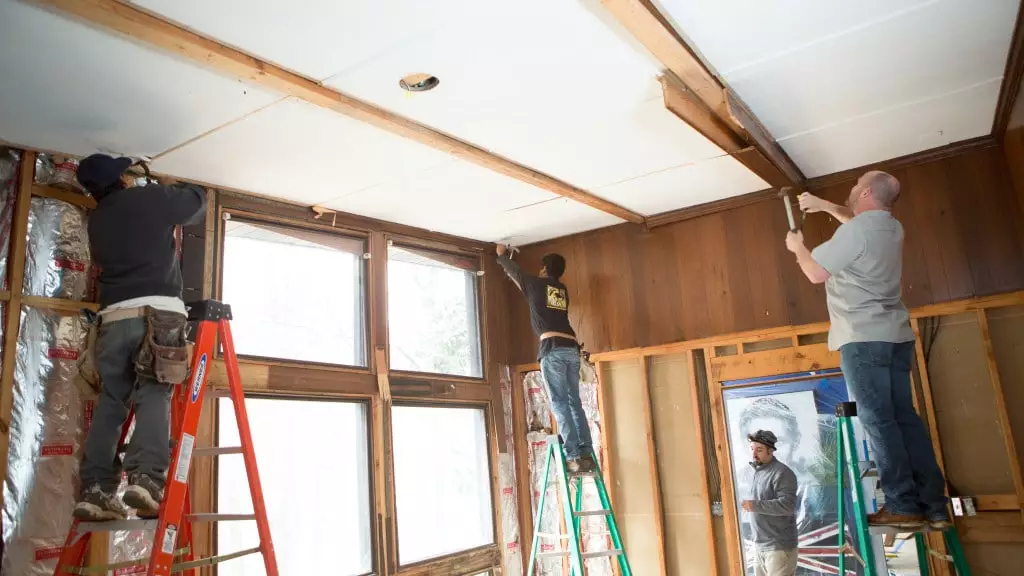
[(587, 464), (907, 522), (939, 523)]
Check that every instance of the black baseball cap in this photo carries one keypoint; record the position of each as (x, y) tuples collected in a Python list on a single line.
[(766, 437), (99, 171)]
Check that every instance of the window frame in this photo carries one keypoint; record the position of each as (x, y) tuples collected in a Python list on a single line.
[(492, 483), (480, 300), (367, 403), (225, 214)]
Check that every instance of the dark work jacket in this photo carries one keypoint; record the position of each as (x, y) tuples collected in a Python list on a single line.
[(549, 306), (131, 235)]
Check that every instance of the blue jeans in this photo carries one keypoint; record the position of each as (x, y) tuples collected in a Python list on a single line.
[(561, 369), (148, 451), (878, 377)]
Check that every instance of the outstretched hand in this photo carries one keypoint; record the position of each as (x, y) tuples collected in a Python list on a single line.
[(810, 203), (501, 249), (794, 241)]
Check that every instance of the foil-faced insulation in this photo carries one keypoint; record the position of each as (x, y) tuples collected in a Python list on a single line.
[(58, 262), (46, 436), (57, 171), (512, 549), (9, 161), (596, 536)]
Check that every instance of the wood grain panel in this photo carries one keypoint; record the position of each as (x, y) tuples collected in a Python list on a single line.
[(729, 271), (688, 529)]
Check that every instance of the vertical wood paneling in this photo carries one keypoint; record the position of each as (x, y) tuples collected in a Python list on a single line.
[(729, 271)]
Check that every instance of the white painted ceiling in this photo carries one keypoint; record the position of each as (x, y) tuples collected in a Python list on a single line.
[(545, 83), (843, 84)]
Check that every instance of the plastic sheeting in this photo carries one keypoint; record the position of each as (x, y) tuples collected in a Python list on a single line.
[(596, 537), (46, 436), (512, 549), (57, 264)]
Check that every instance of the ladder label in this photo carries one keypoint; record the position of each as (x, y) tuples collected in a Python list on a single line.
[(197, 380), (188, 441), (170, 536)]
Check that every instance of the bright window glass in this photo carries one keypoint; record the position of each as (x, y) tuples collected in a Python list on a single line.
[(442, 481), (433, 321), (295, 294), (314, 466)]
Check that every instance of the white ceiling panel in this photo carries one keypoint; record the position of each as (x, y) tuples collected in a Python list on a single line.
[(684, 186), (75, 89), (316, 38), (537, 222), (807, 68), (897, 131), (300, 152), (552, 87)]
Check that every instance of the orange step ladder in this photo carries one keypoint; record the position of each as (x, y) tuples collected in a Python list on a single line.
[(172, 536)]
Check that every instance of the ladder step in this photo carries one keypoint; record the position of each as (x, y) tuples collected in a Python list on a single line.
[(592, 513), (217, 451), (586, 555), (219, 517)]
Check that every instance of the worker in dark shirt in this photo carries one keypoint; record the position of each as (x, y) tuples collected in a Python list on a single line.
[(559, 353), (141, 351)]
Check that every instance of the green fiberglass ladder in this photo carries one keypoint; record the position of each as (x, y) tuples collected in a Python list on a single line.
[(570, 488), (848, 469)]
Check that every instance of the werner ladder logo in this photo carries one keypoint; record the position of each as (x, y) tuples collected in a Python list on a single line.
[(197, 382)]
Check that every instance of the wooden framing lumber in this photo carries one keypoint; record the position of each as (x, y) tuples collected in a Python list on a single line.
[(15, 281), (126, 19), (1001, 411), (80, 200), (926, 388), (694, 94), (652, 448), (732, 526), (522, 460), (702, 463)]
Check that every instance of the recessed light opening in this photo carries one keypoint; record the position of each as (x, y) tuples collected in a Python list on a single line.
[(418, 82)]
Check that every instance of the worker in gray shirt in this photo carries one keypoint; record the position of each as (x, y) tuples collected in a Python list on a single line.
[(772, 508), (861, 267)]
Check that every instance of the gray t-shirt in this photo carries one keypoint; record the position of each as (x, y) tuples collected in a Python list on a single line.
[(865, 259)]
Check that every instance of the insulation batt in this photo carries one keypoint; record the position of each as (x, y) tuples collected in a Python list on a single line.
[(596, 537), (9, 159), (46, 437), (512, 549), (57, 264)]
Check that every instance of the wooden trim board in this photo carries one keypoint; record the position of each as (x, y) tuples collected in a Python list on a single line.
[(128, 20), (652, 448), (1010, 89), (721, 429), (703, 464)]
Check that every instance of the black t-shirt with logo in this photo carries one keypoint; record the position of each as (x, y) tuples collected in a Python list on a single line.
[(549, 306)]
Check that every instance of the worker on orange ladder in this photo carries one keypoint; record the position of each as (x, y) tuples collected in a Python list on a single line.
[(559, 353), (140, 352)]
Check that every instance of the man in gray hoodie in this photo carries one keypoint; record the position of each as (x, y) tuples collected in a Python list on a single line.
[(772, 509)]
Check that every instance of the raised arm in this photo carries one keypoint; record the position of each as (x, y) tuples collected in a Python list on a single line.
[(183, 204), (810, 203), (784, 504), (512, 270)]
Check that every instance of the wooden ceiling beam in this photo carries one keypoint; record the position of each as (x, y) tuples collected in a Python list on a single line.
[(694, 94), (125, 19)]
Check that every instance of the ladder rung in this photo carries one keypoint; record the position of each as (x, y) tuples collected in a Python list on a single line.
[(586, 555), (217, 451), (116, 525), (593, 513), (219, 517), (605, 554)]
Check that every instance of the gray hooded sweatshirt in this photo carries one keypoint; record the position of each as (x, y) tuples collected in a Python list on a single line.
[(773, 520)]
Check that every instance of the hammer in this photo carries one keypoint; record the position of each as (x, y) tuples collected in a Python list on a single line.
[(784, 194)]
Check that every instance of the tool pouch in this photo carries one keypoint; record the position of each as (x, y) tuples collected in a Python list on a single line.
[(88, 377), (163, 354)]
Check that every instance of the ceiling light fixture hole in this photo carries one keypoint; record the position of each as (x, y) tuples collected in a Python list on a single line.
[(418, 82)]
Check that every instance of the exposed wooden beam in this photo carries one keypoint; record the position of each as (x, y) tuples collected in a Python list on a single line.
[(126, 19), (689, 82)]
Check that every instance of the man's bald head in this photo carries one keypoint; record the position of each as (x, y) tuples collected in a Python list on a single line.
[(875, 190)]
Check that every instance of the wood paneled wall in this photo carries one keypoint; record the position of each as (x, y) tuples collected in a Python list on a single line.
[(729, 271), (1013, 145)]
